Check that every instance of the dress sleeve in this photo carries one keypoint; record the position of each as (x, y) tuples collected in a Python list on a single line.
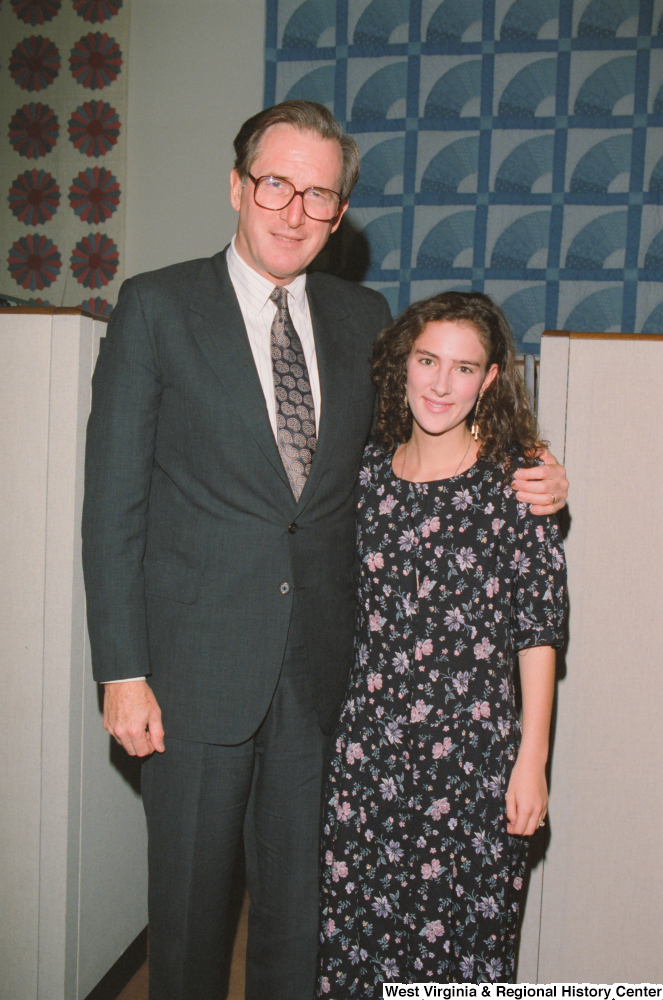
[(537, 568)]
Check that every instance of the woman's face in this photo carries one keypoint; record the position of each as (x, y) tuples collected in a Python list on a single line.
[(446, 371)]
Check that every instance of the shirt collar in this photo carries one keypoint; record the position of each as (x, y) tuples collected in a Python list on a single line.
[(257, 289)]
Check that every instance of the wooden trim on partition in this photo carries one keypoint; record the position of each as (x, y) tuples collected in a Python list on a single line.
[(50, 311), (43, 310), (602, 336)]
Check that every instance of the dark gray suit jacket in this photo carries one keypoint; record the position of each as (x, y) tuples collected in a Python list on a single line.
[(190, 530)]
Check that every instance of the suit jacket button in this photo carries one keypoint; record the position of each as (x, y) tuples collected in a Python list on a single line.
[(292, 528), (285, 588)]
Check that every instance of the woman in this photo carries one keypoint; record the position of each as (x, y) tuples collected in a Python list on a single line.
[(432, 792)]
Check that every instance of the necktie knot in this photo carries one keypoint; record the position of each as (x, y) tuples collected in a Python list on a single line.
[(279, 295)]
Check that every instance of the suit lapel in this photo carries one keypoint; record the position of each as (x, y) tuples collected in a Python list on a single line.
[(219, 329), (335, 368)]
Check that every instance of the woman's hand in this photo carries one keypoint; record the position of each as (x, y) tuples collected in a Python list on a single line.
[(526, 797)]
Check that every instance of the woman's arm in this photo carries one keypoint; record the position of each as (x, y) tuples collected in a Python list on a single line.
[(527, 794)]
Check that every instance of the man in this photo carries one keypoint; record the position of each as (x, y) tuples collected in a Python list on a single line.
[(231, 404)]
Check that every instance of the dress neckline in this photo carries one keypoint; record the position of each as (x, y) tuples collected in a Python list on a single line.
[(429, 482)]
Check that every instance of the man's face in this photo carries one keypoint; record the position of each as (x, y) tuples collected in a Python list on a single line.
[(280, 245)]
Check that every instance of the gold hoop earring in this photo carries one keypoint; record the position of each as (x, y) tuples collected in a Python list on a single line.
[(474, 431)]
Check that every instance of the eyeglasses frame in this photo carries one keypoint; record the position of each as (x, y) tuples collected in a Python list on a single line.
[(256, 182)]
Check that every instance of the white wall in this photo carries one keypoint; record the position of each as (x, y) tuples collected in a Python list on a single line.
[(196, 71)]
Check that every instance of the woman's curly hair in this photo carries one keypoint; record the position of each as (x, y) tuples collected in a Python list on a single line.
[(505, 420)]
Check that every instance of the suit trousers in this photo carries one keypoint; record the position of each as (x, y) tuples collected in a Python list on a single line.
[(198, 800)]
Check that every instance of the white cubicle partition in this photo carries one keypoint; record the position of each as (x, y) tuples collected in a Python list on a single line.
[(595, 906), (72, 832)]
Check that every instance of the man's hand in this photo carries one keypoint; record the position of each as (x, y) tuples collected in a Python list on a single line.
[(544, 487), (133, 717)]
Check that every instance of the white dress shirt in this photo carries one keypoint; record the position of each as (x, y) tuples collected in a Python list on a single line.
[(258, 311)]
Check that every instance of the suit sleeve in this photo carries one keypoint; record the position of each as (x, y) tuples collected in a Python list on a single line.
[(386, 316), (121, 436), (385, 321)]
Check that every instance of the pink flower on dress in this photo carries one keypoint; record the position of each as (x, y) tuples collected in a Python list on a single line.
[(442, 749), (375, 561), (517, 883), (496, 525), (330, 927), (480, 709), (324, 985), (492, 586), (439, 808), (375, 622), (343, 812), (329, 857), (423, 648), (426, 587), (374, 682), (483, 649), (354, 752), (387, 505), (339, 870), (432, 870), (539, 532), (432, 930), (430, 524), (419, 711)]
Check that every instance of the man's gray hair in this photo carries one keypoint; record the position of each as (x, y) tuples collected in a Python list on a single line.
[(305, 116)]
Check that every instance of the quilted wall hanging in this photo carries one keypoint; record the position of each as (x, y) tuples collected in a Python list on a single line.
[(510, 146), (62, 168)]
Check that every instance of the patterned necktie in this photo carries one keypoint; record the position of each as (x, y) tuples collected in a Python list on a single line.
[(295, 414)]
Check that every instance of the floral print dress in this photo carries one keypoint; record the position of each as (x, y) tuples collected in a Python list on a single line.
[(420, 880)]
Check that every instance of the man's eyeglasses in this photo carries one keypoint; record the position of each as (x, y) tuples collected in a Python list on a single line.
[(275, 193)]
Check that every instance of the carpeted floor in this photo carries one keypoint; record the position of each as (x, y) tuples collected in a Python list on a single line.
[(137, 988)]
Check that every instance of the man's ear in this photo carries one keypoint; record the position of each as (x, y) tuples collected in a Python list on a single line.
[(236, 185), (342, 209)]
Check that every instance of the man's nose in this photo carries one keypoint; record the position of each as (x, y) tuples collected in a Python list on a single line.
[(294, 213)]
